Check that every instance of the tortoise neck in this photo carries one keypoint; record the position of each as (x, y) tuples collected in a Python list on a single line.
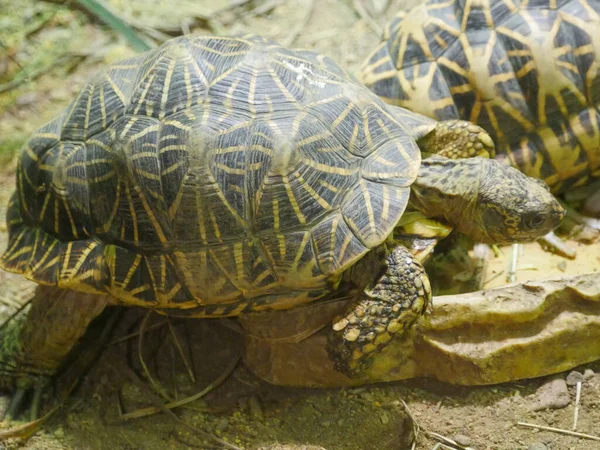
[(447, 188)]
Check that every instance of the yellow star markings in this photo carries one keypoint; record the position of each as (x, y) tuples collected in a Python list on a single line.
[(487, 87), (413, 25), (545, 60)]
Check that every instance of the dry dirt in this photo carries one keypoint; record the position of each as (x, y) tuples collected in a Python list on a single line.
[(245, 411)]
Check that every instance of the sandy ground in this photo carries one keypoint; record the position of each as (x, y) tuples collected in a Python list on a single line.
[(59, 48)]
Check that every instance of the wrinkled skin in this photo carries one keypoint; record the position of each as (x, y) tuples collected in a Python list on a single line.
[(486, 200)]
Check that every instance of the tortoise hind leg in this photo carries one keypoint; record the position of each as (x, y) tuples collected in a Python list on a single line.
[(386, 309), (35, 344)]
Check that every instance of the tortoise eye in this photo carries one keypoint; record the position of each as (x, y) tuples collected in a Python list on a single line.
[(534, 220)]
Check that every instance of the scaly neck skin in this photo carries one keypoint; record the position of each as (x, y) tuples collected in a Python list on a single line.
[(448, 188)]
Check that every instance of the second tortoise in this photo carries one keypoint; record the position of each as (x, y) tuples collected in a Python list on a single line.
[(527, 72)]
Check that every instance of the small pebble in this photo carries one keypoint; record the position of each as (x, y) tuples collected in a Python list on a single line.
[(222, 424), (574, 377), (385, 419), (26, 99), (562, 266), (553, 394), (463, 440), (59, 433), (588, 374), (537, 446)]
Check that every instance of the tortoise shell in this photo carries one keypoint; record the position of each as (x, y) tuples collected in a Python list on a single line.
[(214, 175), (526, 71)]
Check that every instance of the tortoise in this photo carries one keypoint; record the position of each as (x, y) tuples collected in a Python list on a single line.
[(525, 71), (221, 176)]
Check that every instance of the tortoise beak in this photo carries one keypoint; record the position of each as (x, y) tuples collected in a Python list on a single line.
[(558, 213)]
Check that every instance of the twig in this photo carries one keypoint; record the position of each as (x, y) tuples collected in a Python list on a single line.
[(23, 76), (156, 399), (489, 280), (514, 260), (560, 431), (143, 412), (263, 8), (415, 424), (290, 38), (447, 442), (362, 12), (136, 333), (181, 353), (16, 313), (29, 428), (440, 445), (577, 402), (154, 383), (438, 407)]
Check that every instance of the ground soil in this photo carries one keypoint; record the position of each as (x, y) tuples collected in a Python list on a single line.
[(58, 48)]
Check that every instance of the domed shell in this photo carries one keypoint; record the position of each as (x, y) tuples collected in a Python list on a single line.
[(219, 174), (525, 71)]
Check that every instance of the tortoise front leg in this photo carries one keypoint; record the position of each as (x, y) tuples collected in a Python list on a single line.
[(388, 308), (34, 345), (456, 139)]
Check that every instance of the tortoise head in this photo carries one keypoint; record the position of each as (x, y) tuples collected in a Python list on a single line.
[(510, 206), (485, 199)]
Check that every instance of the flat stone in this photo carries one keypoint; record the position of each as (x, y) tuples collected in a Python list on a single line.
[(553, 394), (537, 446), (463, 440)]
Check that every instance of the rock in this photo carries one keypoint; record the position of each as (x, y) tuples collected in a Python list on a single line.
[(462, 440), (537, 446), (574, 377), (222, 424), (59, 433), (588, 374), (26, 99), (553, 394), (385, 419)]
